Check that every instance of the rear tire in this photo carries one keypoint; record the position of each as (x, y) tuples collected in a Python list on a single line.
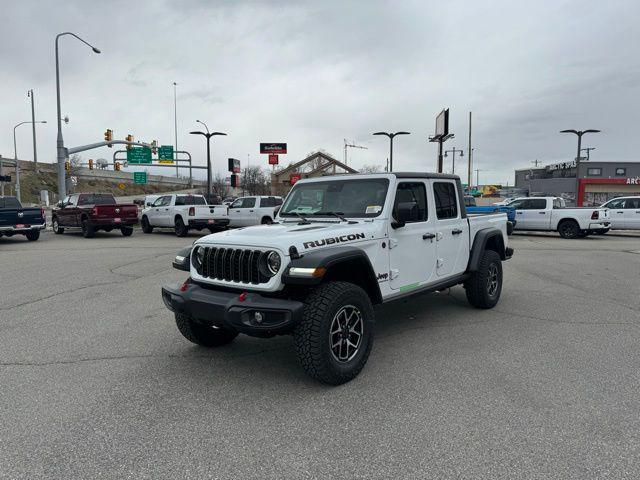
[(201, 334), (146, 227), (126, 231), (57, 229), (180, 228), (484, 286), (33, 235), (266, 221), (569, 229), (335, 336), (602, 232), (87, 229)]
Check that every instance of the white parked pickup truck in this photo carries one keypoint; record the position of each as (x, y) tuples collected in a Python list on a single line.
[(363, 240), (624, 213), (183, 212), (550, 214), (247, 211)]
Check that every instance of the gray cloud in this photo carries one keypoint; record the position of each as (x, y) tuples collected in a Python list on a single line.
[(314, 73)]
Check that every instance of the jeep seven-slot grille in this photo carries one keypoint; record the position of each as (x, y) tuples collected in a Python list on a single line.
[(233, 265)]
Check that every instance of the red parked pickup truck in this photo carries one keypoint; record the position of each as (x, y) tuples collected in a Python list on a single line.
[(92, 212)]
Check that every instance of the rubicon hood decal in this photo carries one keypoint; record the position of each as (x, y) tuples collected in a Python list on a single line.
[(331, 240)]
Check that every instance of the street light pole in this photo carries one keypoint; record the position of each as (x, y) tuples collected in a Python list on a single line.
[(454, 150), (175, 119), (579, 134), (15, 155), (61, 153), (33, 125), (588, 150), (208, 136), (391, 135)]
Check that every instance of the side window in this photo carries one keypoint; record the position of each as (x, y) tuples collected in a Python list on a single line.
[(278, 200), (267, 202), (632, 203), (414, 194), (237, 203), (557, 203), (249, 202), (446, 202), (73, 200), (616, 204), (182, 200), (537, 204)]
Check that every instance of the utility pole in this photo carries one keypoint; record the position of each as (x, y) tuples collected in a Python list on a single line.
[(33, 125), (478, 177), (469, 157), (350, 145), (175, 120), (588, 149), (536, 162)]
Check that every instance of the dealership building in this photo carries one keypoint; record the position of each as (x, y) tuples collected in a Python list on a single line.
[(598, 181)]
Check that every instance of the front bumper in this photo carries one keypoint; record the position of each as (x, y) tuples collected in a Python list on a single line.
[(19, 228), (599, 226), (232, 310), (208, 222)]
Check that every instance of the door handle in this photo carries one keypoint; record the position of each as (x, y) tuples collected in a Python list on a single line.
[(541, 213), (519, 213), (428, 236), (457, 231), (619, 211), (250, 211)]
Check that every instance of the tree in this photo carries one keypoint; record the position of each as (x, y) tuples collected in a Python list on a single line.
[(369, 169), (220, 187), (254, 181)]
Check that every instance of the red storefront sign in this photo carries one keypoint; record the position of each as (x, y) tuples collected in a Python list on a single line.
[(583, 182), (273, 159)]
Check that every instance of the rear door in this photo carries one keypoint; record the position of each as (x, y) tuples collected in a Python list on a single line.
[(452, 235), (163, 212), (617, 212), (632, 213), (412, 248), (242, 212), (72, 212)]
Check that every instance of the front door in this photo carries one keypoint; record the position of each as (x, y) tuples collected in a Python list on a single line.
[(412, 247), (617, 213), (452, 233), (242, 211), (632, 213)]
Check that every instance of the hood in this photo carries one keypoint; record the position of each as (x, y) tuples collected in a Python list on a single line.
[(304, 237)]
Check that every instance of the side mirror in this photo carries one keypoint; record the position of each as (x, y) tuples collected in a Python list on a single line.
[(406, 212), (60, 204)]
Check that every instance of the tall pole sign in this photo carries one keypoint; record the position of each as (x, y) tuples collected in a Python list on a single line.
[(441, 135)]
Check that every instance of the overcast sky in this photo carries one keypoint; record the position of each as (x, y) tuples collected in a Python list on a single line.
[(314, 73)]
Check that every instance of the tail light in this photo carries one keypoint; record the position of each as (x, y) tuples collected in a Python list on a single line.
[(595, 215), (192, 211), (94, 212)]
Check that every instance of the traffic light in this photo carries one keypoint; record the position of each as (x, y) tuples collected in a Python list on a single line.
[(129, 138), (91, 164), (154, 147), (67, 166), (116, 166), (108, 136)]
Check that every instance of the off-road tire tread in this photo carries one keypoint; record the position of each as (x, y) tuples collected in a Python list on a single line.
[(181, 231), (475, 286), (308, 334), (146, 227)]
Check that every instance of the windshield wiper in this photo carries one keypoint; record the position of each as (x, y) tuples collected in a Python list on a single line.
[(339, 215), (304, 220)]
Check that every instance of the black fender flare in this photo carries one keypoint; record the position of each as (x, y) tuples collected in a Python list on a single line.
[(330, 259), (480, 243)]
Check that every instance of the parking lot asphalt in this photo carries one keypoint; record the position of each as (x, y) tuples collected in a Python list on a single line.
[(95, 380)]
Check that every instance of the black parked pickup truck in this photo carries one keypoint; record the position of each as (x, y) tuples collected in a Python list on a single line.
[(15, 220)]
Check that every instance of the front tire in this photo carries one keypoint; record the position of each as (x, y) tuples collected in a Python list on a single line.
[(569, 229), (146, 226), (126, 231), (484, 286), (335, 336), (33, 235), (266, 221), (57, 229), (201, 334), (180, 228)]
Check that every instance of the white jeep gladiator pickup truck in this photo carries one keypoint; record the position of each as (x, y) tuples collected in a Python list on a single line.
[(184, 212), (550, 214), (362, 240)]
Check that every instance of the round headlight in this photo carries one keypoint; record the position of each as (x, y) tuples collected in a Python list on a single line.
[(274, 262), (198, 257)]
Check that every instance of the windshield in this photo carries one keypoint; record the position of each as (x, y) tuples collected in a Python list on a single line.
[(97, 199), (350, 198)]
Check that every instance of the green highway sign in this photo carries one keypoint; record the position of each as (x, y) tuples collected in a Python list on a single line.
[(165, 152), (139, 155), (140, 177)]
